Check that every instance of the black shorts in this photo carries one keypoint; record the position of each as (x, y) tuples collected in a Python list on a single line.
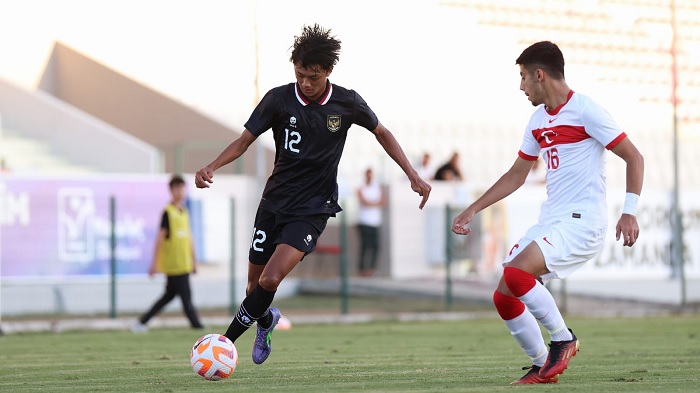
[(300, 232)]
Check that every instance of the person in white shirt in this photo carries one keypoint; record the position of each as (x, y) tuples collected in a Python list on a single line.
[(572, 133), (425, 168), (369, 221)]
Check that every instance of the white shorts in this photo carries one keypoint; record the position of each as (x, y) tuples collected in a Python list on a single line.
[(565, 246)]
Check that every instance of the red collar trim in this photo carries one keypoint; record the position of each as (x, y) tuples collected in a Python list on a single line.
[(323, 100), (557, 109)]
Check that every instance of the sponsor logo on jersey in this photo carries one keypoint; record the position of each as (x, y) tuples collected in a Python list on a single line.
[(333, 123)]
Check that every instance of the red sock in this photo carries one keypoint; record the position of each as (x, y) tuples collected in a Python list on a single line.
[(508, 307), (518, 281)]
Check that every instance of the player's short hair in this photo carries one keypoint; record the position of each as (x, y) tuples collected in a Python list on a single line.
[(545, 55), (315, 47), (175, 181)]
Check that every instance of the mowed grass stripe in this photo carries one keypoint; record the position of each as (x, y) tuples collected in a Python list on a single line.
[(617, 355)]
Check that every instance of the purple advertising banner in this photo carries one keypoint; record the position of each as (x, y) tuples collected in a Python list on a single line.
[(61, 226)]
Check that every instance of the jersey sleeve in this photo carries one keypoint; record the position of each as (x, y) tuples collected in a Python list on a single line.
[(529, 148), (600, 125), (363, 115), (263, 115)]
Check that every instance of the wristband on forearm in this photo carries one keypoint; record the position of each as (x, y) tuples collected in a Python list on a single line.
[(630, 206)]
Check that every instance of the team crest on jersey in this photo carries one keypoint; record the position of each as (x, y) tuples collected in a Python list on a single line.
[(333, 123)]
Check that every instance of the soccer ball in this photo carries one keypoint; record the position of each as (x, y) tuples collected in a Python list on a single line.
[(214, 357)]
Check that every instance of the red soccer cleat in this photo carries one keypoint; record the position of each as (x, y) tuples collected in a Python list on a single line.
[(559, 354), (533, 377)]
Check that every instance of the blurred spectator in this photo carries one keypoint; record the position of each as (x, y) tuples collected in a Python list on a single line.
[(3, 166), (450, 170), (425, 168), (369, 221), (174, 256)]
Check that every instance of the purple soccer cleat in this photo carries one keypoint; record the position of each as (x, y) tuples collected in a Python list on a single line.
[(263, 338)]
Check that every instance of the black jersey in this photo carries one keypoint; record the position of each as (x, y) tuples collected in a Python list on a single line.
[(309, 141)]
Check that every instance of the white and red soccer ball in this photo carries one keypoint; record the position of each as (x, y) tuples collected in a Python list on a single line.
[(214, 357)]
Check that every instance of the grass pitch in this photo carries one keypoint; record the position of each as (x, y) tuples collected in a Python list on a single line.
[(620, 355)]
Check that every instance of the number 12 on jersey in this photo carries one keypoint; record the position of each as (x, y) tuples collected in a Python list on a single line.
[(291, 139)]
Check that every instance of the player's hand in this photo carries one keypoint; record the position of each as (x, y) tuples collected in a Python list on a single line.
[(628, 229), (459, 224), (204, 177), (422, 188), (152, 270)]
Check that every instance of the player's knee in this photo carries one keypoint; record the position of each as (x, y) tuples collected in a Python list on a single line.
[(270, 282), (508, 307), (519, 282)]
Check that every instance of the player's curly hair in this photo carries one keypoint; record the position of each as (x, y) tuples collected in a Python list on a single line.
[(315, 47), (545, 55)]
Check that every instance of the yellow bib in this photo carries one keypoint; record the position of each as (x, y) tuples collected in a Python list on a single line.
[(175, 256)]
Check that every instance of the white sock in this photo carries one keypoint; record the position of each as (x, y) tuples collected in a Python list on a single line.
[(526, 332), (541, 304)]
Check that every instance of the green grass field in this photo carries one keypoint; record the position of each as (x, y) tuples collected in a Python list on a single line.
[(620, 355)]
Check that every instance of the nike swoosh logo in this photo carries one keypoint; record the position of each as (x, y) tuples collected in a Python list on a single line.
[(551, 120), (545, 239)]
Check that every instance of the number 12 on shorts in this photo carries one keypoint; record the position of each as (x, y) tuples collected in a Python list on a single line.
[(259, 237)]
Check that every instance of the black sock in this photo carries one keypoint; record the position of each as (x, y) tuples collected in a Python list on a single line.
[(253, 307), (266, 320)]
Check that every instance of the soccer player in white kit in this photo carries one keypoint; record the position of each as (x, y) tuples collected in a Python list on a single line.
[(572, 133)]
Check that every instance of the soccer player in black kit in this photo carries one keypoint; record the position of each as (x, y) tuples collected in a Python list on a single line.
[(310, 121)]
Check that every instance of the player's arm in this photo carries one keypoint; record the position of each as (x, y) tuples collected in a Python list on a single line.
[(194, 256), (506, 185), (194, 253), (382, 199), (204, 176), (392, 147), (627, 225), (361, 198)]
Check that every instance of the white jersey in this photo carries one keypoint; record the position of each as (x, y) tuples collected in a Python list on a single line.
[(370, 215), (573, 139)]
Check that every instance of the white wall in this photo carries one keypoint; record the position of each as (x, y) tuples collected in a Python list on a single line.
[(73, 135)]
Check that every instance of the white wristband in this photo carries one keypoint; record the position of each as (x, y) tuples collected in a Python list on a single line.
[(630, 207)]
